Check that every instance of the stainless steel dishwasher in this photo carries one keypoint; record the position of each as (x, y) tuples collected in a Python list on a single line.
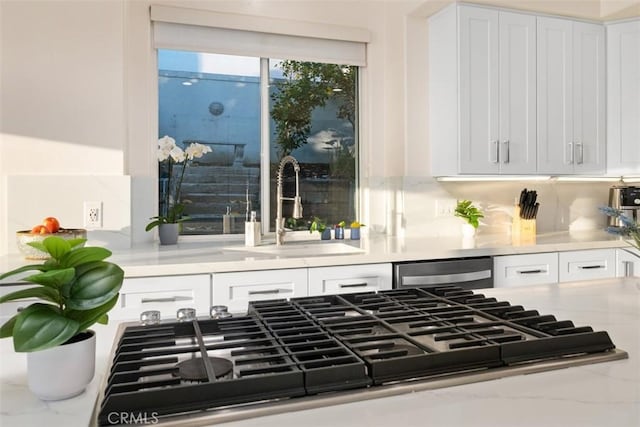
[(468, 273)]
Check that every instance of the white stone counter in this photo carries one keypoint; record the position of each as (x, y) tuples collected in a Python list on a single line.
[(606, 394), (196, 256)]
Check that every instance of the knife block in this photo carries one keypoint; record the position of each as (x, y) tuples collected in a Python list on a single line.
[(523, 231)]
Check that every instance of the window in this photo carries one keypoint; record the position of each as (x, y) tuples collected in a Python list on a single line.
[(215, 99)]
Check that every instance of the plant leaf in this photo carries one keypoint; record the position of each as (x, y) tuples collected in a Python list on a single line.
[(53, 278), (84, 255), (96, 283), (22, 269), (56, 246), (76, 242), (7, 329), (38, 245), (153, 224), (41, 326), (39, 292), (86, 318)]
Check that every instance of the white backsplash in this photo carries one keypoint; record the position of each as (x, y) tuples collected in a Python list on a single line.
[(401, 206), (564, 206), (30, 198)]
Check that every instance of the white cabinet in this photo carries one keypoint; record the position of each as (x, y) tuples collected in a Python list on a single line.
[(587, 265), (166, 294), (623, 98), (235, 290), (483, 123), (571, 97), (349, 279), (524, 270), (627, 263)]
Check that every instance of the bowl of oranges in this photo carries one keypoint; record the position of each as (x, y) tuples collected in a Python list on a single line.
[(50, 226)]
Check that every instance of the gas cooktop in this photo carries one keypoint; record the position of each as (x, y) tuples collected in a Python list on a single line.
[(305, 352)]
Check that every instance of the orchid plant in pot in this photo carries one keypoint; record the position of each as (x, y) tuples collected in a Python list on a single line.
[(75, 289), (172, 206)]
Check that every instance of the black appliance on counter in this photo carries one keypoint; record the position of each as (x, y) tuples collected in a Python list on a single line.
[(467, 273), (317, 351)]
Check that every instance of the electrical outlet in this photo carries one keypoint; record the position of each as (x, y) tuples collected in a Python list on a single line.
[(93, 214), (445, 207)]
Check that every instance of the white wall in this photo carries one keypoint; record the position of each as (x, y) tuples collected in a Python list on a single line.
[(78, 98)]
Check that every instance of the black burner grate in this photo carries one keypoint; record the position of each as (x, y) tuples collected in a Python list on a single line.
[(305, 346)]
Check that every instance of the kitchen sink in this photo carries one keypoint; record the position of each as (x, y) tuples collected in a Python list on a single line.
[(301, 249)]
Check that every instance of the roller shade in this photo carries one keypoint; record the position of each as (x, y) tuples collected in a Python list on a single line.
[(204, 31)]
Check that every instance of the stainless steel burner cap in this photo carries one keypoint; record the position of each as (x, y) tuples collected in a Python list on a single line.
[(150, 317), (186, 314), (219, 312)]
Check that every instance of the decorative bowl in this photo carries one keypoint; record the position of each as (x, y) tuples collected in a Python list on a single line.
[(24, 237)]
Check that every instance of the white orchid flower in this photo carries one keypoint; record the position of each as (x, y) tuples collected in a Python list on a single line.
[(165, 145), (195, 150), (177, 154)]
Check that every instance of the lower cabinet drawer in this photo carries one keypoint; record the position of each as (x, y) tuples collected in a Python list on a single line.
[(166, 294), (235, 290), (349, 279), (587, 265), (523, 270)]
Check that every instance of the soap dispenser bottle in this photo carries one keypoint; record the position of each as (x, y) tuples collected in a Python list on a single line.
[(252, 231)]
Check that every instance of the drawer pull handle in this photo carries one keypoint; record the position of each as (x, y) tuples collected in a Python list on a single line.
[(628, 268), (590, 267), (268, 292), (165, 299), (354, 285), (538, 271)]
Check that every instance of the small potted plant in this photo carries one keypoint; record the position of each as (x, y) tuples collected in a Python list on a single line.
[(338, 230), (76, 288), (355, 230), (471, 214), (172, 206), (321, 227)]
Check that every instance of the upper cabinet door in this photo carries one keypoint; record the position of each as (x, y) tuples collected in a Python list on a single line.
[(479, 91), (517, 93), (555, 98), (623, 98), (571, 106), (588, 98)]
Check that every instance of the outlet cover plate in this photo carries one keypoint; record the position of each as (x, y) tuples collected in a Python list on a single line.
[(92, 215)]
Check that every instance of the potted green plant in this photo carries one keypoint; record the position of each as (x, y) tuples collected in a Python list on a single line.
[(355, 230), (172, 206), (76, 288), (471, 214), (321, 227)]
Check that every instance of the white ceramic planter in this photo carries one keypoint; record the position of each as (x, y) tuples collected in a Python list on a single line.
[(64, 371), (468, 230)]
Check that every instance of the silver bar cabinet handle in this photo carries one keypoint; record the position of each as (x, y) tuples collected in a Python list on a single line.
[(507, 157), (496, 145), (165, 299), (538, 271), (571, 153), (628, 268), (353, 285), (590, 267), (580, 155), (268, 292)]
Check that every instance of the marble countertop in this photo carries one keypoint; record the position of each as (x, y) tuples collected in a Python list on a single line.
[(605, 394), (197, 256)]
